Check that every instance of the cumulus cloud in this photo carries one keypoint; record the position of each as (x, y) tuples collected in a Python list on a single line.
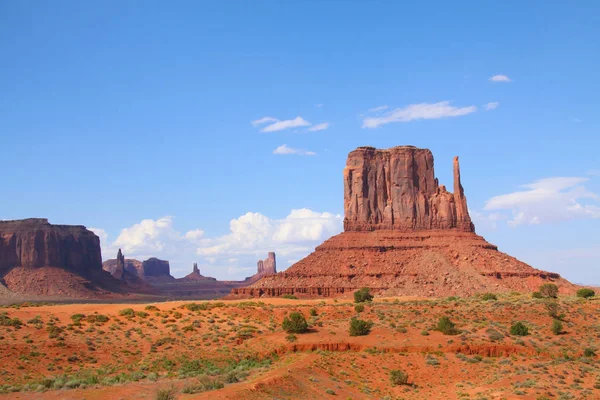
[(319, 127), (412, 112), (491, 106), (256, 234), (548, 200), (500, 78), (285, 150), (230, 256), (285, 124)]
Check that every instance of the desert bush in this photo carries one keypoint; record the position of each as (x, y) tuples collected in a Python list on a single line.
[(359, 327), (97, 318), (363, 295), (585, 293), (76, 318), (166, 394), (519, 329), (553, 310), (489, 296), (127, 312), (313, 312), (203, 384), (557, 327), (398, 377), (291, 338), (152, 308), (589, 352), (289, 296), (549, 290), (296, 323), (142, 314), (359, 308), (446, 326), (536, 295)]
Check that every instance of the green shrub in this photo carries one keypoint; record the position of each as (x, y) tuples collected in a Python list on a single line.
[(363, 295), (313, 312), (142, 314), (489, 296), (446, 326), (289, 296), (398, 377), (151, 308), (557, 327), (536, 295), (127, 312), (519, 329), (359, 327), (97, 318), (585, 293), (291, 338), (549, 290), (359, 308), (166, 394), (296, 323), (553, 310), (77, 318), (589, 352)]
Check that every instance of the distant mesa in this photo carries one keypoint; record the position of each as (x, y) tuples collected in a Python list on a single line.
[(404, 234), (151, 269), (38, 258)]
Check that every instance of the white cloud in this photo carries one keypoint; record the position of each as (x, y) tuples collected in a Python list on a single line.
[(263, 120), (377, 109), (492, 105), (577, 120), (255, 234), (286, 124), (319, 105), (412, 112), (548, 200), (285, 150), (500, 78), (319, 127), (230, 256)]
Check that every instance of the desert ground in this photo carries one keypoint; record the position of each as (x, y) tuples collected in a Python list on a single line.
[(239, 350)]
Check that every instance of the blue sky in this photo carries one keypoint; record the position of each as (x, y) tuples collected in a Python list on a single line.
[(135, 119)]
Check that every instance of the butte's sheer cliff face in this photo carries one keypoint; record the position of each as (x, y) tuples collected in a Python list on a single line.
[(404, 234), (38, 258), (396, 189), (34, 243)]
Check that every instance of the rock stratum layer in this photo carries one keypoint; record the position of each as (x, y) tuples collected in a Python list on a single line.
[(404, 235)]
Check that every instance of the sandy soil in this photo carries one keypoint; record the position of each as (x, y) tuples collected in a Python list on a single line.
[(56, 354)]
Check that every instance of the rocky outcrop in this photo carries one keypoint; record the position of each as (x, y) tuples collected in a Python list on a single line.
[(404, 235), (35, 243), (37, 258), (397, 189), (116, 267), (267, 266), (196, 275), (264, 268)]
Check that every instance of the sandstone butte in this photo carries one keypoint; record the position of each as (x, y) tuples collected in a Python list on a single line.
[(53, 260), (404, 234)]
